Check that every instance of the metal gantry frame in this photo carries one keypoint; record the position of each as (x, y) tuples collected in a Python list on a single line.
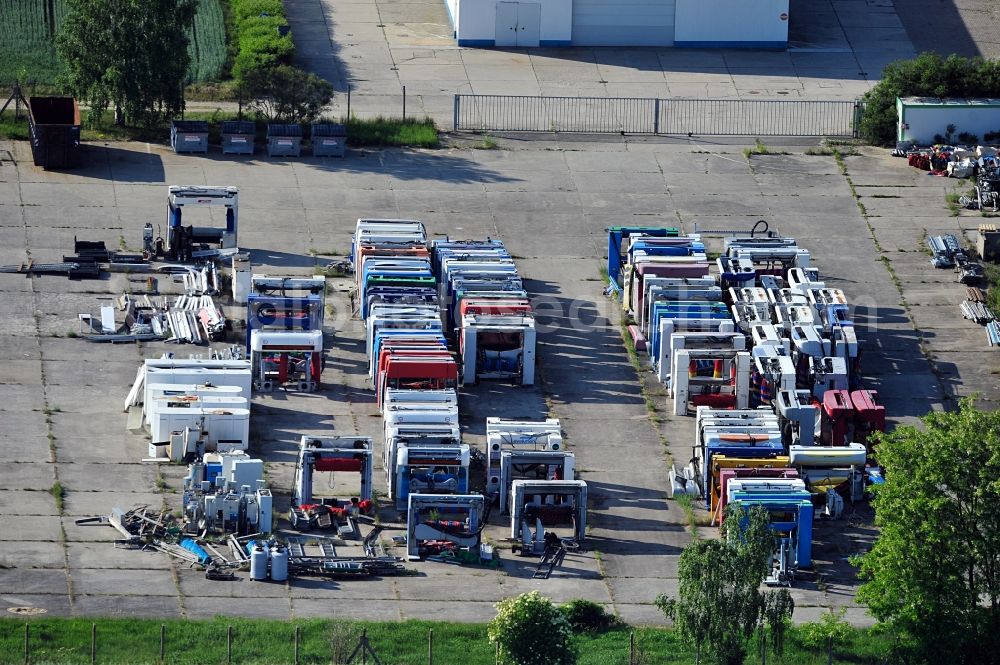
[(467, 533), (526, 494)]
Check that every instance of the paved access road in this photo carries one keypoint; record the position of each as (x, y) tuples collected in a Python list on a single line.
[(376, 47)]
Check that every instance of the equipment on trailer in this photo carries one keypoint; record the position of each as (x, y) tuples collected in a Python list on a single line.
[(725, 468), (665, 368), (617, 258), (293, 304), (715, 377), (797, 417), (532, 465), (424, 467), (333, 454), (546, 503), (869, 416), (791, 510), (226, 494), (503, 434), (838, 416), (282, 357), (444, 523), (181, 239)]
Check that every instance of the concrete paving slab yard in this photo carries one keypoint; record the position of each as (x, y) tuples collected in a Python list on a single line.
[(551, 203), (377, 47)]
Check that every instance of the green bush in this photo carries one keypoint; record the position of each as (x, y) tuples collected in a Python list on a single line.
[(927, 75), (286, 94), (259, 39), (586, 616), (530, 630)]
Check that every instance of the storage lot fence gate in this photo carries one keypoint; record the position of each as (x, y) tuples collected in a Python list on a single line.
[(614, 115)]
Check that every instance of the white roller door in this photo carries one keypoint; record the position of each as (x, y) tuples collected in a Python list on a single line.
[(623, 22)]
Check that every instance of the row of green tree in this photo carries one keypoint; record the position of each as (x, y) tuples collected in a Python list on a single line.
[(927, 75), (132, 56), (932, 578)]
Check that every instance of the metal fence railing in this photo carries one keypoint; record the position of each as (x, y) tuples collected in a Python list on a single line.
[(613, 115)]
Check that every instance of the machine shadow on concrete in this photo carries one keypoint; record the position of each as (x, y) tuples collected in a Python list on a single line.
[(103, 161)]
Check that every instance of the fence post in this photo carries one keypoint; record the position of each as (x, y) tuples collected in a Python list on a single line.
[(93, 643), (498, 654), (656, 130), (430, 646), (404, 102), (296, 645), (348, 102), (454, 121), (27, 652), (631, 648), (229, 645), (163, 640)]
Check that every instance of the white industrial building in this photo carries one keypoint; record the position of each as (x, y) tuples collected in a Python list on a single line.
[(680, 23)]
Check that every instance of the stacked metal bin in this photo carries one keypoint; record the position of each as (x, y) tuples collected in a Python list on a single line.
[(328, 139), (284, 140), (189, 136), (238, 137)]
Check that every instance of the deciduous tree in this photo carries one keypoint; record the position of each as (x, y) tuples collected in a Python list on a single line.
[(127, 54), (286, 94), (720, 604), (934, 572)]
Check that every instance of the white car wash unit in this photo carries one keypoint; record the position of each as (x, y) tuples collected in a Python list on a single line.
[(680, 23)]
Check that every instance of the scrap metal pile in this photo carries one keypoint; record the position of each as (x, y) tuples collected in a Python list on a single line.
[(947, 252), (90, 260), (765, 355), (950, 160), (185, 319)]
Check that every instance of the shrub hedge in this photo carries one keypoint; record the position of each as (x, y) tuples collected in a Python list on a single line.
[(927, 75), (263, 37)]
